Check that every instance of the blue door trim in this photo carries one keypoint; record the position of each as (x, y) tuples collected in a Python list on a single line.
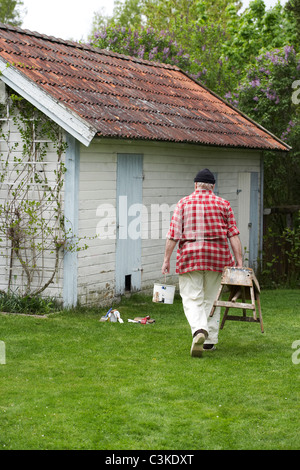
[(254, 221), (71, 202)]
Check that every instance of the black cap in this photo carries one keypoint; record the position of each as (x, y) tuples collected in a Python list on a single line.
[(205, 176)]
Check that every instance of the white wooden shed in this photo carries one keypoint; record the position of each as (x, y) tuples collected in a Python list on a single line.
[(137, 133)]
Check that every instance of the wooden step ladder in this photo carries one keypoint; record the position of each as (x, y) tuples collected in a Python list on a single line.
[(243, 285)]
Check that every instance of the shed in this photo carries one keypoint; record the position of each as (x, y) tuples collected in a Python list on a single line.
[(136, 132)]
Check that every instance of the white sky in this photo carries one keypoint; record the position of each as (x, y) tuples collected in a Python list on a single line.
[(72, 19)]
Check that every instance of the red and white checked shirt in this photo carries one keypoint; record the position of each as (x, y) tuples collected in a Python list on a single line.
[(202, 223)]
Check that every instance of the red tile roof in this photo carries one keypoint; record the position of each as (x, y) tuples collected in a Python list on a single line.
[(124, 97)]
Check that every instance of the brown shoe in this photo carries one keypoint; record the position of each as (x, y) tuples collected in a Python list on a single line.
[(197, 345)]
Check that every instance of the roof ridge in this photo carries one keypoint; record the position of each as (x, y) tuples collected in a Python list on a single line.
[(87, 47)]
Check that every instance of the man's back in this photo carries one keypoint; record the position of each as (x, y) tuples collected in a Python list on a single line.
[(202, 222)]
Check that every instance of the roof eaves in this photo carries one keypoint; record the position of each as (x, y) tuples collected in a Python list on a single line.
[(64, 117)]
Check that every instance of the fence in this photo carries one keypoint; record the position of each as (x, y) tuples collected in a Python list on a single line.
[(281, 247)]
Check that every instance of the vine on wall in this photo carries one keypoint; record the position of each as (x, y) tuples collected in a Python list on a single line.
[(32, 224)]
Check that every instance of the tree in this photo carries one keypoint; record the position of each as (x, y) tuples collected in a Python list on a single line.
[(254, 31), (182, 35), (266, 95), (177, 16), (128, 13), (215, 41), (10, 12), (293, 6)]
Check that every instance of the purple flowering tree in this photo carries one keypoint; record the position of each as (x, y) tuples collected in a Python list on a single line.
[(255, 30), (201, 62), (186, 33), (266, 95), (269, 95), (211, 40), (145, 43), (266, 91)]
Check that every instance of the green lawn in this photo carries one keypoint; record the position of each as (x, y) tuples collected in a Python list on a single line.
[(72, 382)]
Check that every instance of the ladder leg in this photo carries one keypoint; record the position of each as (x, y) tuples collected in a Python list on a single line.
[(259, 311), (215, 302), (253, 302), (227, 308), (244, 300)]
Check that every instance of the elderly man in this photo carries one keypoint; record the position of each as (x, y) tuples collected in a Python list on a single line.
[(202, 223)]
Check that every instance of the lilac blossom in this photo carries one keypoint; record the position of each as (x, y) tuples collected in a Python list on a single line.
[(287, 51), (153, 53), (141, 52), (255, 82)]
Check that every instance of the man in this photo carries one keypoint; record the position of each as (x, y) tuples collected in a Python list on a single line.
[(202, 223)]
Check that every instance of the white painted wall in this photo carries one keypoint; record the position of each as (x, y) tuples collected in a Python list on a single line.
[(169, 170), (97, 186)]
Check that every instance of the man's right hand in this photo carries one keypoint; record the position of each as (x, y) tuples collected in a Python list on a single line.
[(165, 267)]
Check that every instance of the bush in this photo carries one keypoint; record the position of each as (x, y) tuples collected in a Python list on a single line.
[(10, 302), (281, 265)]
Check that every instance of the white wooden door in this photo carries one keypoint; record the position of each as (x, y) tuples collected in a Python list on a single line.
[(129, 218), (248, 216)]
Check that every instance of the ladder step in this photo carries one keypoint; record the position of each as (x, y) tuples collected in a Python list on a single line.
[(237, 318), (221, 303)]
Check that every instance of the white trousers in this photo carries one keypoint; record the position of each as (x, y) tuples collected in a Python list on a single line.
[(198, 290)]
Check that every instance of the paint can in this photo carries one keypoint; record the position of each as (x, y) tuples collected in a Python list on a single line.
[(163, 293)]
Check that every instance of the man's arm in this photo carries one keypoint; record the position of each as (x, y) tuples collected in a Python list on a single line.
[(170, 245), (237, 250)]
